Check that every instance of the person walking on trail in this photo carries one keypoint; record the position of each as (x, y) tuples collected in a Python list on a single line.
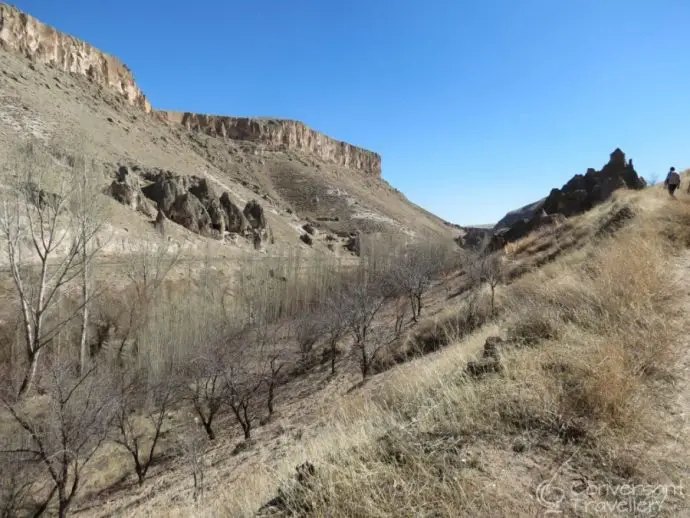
[(672, 181)]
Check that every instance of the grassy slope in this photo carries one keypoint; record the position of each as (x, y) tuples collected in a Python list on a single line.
[(590, 400)]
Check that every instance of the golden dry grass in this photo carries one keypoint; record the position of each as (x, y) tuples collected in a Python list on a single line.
[(582, 392)]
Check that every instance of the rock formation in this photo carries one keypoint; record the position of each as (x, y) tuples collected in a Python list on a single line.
[(281, 134), (579, 195), (126, 189), (25, 35), (41, 43), (190, 201)]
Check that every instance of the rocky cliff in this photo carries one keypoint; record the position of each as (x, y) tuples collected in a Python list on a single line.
[(25, 35), (281, 134), (39, 42)]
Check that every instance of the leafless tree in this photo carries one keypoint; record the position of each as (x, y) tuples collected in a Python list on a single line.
[(484, 267), (139, 392), (271, 362), (64, 436), (207, 388), (335, 323), (400, 313), (413, 273), (364, 298), (242, 387), (146, 272), (49, 239), (193, 447)]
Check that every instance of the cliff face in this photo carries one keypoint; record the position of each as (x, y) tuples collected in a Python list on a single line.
[(23, 34), (39, 42), (281, 134)]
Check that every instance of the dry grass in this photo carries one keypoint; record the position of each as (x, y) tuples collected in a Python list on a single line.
[(603, 339)]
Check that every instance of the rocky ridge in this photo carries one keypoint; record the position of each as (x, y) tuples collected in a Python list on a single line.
[(581, 193), (282, 135), (21, 33)]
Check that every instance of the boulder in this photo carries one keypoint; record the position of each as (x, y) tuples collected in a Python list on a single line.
[(235, 219), (306, 239), (126, 190), (255, 214), (309, 228), (165, 190), (492, 347), (484, 366), (188, 211), (202, 189)]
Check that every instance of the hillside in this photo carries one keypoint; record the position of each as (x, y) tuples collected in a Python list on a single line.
[(77, 99), (207, 316)]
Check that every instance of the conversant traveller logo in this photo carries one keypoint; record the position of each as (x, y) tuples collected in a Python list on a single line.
[(594, 499)]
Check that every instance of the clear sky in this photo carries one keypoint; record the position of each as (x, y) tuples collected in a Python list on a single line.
[(477, 107)]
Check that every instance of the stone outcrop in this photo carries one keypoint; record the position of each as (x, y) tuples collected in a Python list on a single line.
[(41, 43), (580, 194), (126, 189), (190, 201), (281, 135)]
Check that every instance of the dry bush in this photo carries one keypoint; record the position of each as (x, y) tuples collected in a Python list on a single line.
[(138, 394), (62, 432)]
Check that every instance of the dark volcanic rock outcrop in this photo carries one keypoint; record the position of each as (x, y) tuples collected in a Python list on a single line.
[(190, 201), (580, 194)]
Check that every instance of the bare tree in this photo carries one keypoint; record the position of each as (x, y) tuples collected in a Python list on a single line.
[(413, 273), (364, 298), (207, 388), (193, 448), (139, 392), (64, 436), (484, 267), (400, 313), (242, 386), (89, 222), (147, 272), (271, 363), (335, 323), (47, 246)]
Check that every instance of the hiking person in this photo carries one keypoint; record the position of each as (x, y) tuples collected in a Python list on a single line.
[(672, 181)]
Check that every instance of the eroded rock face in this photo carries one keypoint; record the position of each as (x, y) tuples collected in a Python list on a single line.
[(580, 194), (255, 214), (281, 134), (189, 212), (41, 43), (236, 220), (126, 190)]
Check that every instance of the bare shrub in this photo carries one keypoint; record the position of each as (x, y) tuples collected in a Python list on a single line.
[(484, 267), (65, 431), (308, 328), (364, 297), (413, 272), (138, 393)]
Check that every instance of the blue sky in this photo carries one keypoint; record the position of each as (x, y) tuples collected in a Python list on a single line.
[(477, 107)]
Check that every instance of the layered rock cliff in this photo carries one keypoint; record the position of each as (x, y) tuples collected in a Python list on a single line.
[(25, 35), (281, 134), (39, 42)]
